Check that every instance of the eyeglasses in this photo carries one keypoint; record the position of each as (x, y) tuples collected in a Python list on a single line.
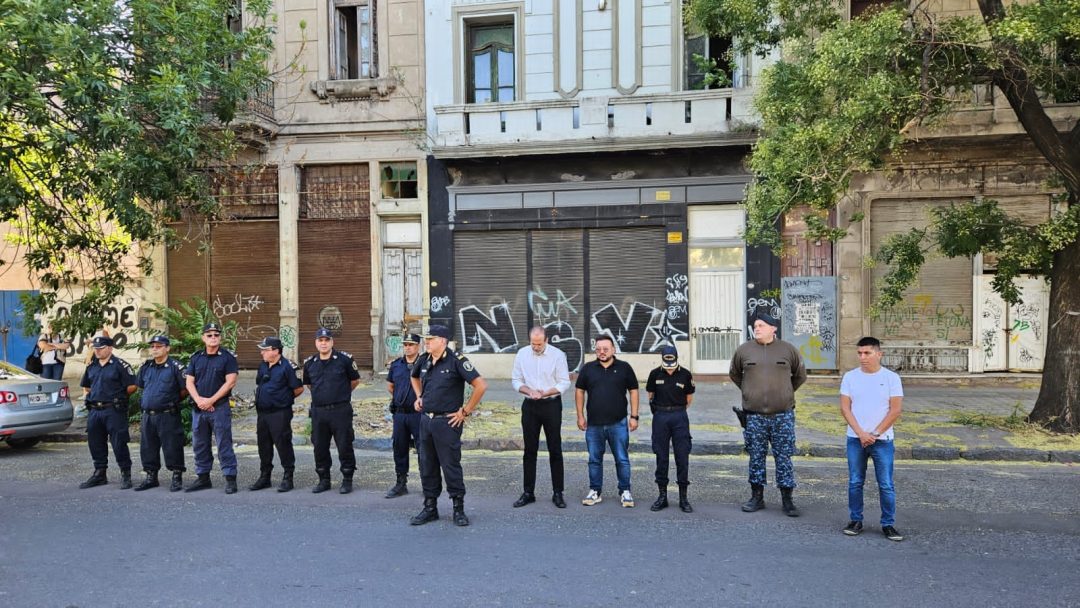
[(212, 335)]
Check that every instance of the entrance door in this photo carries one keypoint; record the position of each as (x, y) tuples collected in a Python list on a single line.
[(403, 284), (1013, 337), (717, 286)]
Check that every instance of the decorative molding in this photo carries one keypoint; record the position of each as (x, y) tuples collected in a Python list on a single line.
[(556, 48), (363, 88), (616, 52), (607, 144)]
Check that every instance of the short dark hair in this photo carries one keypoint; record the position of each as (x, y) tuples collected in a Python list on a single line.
[(605, 337), (870, 341)]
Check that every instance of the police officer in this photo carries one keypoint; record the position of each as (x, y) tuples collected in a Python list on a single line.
[(108, 380), (402, 408), (161, 379), (438, 379), (211, 376), (277, 385), (332, 375), (671, 391)]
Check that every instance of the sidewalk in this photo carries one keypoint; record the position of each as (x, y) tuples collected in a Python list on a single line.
[(940, 422)]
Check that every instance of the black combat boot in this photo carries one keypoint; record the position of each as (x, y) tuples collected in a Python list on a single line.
[(757, 498), (400, 488), (99, 478), (177, 481), (230, 484), (788, 505), (460, 519), (430, 512), (661, 502), (151, 481), (684, 502), (125, 479), (202, 482), (262, 482), (286, 480), (346, 482), (324, 482)]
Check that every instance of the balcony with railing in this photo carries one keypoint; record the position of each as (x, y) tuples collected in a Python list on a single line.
[(254, 120), (638, 122)]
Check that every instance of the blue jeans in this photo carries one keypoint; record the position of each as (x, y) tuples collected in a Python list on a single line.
[(617, 435), (53, 371), (881, 451)]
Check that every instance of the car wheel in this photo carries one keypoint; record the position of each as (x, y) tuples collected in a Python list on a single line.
[(24, 444)]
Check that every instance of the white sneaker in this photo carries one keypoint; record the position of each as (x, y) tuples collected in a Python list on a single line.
[(627, 499), (592, 498)]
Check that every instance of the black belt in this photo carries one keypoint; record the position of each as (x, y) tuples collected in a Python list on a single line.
[(439, 414), (671, 408), (156, 412), (551, 398), (773, 415), (330, 406), (103, 405)]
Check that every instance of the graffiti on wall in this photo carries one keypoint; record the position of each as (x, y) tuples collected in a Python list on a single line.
[(556, 314), (121, 320), (921, 314), (644, 329), (677, 296), (239, 308), (439, 303), (809, 318), (491, 332)]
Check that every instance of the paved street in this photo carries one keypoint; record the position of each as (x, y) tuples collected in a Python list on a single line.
[(978, 535)]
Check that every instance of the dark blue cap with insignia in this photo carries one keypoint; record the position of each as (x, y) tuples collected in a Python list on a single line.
[(163, 340), (323, 333), (211, 326), (102, 341), (771, 320), (270, 342), (670, 356), (438, 331), (410, 339)]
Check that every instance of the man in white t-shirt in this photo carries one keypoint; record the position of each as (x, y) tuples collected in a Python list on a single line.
[(870, 400)]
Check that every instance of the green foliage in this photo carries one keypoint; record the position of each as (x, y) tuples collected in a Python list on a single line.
[(108, 113), (716, 75), (846, 95)]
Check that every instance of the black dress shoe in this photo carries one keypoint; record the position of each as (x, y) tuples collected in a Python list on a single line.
[(526, 498), (202, 482), (557, 498)]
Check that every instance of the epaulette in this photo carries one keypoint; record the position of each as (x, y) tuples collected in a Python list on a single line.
[(231, 353), (310, 359), (459, 355), (293, 364), (347, 354), (126, 365)]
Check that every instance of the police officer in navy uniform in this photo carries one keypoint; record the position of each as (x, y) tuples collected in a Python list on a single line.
[(211, 376), (108, 380), (277, 385), (671, 391), (161, 379), (332, 375), (438, 379), (403, 409)]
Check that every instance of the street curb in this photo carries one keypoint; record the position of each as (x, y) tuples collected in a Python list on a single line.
[(704, 448)]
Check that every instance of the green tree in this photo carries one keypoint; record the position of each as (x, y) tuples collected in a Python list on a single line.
[(845, 98), (110, 113)]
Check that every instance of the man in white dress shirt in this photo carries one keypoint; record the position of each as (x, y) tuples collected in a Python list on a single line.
[(541, 374)]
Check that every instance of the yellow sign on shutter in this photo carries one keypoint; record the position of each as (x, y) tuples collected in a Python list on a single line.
[(674, 238), (663, 195)]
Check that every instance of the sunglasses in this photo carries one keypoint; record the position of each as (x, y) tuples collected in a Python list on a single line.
[(212, 335)]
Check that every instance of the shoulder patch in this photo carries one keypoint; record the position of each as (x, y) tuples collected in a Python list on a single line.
[(468, 365)]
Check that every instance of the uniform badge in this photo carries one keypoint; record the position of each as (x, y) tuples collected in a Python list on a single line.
[(468, 366)]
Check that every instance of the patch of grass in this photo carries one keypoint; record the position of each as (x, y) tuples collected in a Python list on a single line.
[(1015, 421), (716, 428)]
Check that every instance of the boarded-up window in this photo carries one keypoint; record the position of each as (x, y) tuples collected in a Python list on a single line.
[(937, 310), (335, 192), (246, 192)]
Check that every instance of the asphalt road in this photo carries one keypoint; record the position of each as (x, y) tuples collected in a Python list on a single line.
[(978, 535)]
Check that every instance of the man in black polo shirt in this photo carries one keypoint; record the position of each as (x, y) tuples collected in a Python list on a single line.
[(108, 381), (161, 379), (607, 380), (671, 391), (332, 375), (438, 379), (277, 385)]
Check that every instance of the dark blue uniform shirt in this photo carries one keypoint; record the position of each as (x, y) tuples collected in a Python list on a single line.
[(108, 382), (400, 376), (209, 372), (161, 384), (442, 382), (330, 379), (670, 390), (606, 388), (275, 383)]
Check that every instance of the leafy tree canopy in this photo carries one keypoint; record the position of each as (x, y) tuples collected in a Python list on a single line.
[(110, 110)]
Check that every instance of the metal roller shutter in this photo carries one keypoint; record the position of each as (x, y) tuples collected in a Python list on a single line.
[(937, 310), (245, 283), (489, 291), (557, 297), (188, 269), (335, 285), (626, 287)]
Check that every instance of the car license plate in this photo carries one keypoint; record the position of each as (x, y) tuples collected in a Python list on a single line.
[(38, 398)]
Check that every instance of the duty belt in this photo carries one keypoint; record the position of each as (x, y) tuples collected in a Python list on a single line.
[(103, 405), (772, 415), (330, 406), (439, 414), (670, 408), (172, 409)]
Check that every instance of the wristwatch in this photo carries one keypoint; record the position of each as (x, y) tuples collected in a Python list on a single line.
[(875, 434), (635, 417)]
